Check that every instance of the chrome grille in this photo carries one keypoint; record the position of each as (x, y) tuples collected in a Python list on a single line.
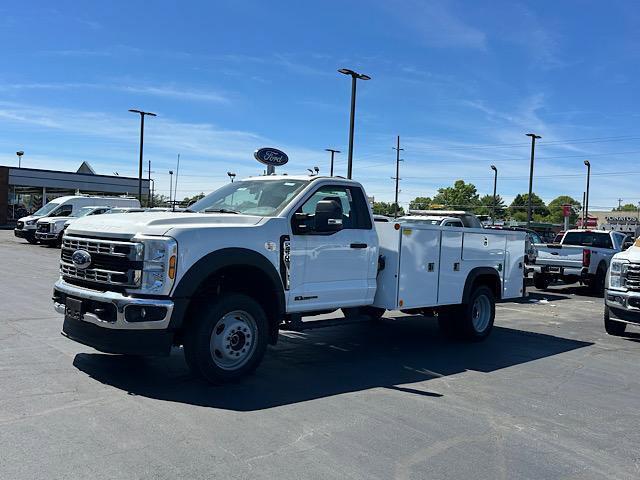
[(43, 227), (632, 280), (113, 262)]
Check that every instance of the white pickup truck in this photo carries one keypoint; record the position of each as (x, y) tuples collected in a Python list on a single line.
[(622, 295), (582, 255), (222, 278)]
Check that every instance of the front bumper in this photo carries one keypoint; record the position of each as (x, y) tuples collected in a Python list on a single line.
[(24, 233), (104, 326), (623, 306), (43, 236)]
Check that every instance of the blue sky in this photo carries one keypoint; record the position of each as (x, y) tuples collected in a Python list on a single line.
[(460, 81)]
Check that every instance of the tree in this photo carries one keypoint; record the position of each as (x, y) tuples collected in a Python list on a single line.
[(158, 200), (518, 208), (461, 196), (388, 209), (627, 207), (189, 200), (556, 213), (486, 206), (420, 203)]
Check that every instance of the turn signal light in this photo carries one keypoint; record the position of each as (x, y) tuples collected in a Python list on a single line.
[(172, 267)]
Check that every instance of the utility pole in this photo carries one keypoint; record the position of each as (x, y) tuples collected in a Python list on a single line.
[(584, 195), (533, 150), (170, 185), (586, 200), (142, 115), (397, 177), (175, 190), (333, 152), (495, 184)]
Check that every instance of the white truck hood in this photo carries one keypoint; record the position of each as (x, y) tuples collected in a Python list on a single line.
[(631, 254), (126, 225)]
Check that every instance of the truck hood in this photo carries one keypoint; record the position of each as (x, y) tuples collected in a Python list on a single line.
[(126, 225), (631, 254), (29, 217)]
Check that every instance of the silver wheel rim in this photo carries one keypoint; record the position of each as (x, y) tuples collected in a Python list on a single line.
[(481, 313), (233, 340)]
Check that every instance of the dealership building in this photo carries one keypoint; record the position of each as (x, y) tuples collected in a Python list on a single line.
[(25, 190), (625, 222)]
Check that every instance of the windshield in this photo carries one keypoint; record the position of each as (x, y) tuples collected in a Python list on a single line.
[(48, 208), (83, 211), (250, 197)]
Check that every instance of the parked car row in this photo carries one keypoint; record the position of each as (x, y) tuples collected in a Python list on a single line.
[(47, 224)]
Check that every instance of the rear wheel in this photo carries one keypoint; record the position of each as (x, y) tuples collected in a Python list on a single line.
[(477, 316), (227, 338), (611, 326), (540, 281), (597, 284)]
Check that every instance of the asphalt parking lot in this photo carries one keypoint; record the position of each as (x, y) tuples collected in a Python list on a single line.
[(549, 395)]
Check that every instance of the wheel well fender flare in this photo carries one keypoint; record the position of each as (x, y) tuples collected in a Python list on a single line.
[(476, 273), (215, 262)]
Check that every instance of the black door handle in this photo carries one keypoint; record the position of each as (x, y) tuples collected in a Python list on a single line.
[(358, 245)]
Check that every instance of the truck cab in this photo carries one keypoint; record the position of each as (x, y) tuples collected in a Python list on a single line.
[(224, 276)]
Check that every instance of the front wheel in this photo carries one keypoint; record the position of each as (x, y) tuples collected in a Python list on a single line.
[(226, 338), (611, 326), (477, 316), (32, 240)]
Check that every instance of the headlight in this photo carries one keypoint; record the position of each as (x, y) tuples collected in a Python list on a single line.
[(617, 273), (30, 222), (160, 256)]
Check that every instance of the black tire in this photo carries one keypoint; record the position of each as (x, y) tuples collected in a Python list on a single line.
[(477, 316), (611, 326), (597, 284), (32, 240), (214, 324), (373, 313), (540, 281)]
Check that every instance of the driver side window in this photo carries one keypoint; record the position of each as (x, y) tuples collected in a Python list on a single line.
[(339, 194), (63, 211)]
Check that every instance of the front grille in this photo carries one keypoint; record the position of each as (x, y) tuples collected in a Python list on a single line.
[(20, 225), (43, 227), (113, 263), (633, 277)]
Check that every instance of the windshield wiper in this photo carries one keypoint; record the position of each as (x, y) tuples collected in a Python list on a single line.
[(219, 210)]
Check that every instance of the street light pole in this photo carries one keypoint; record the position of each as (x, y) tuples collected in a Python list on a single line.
[(354, 77), (495, 184), (586, 197), (231, 176), (150, 191), (397, 177), (19, 153), (333, 152), (142, 115), (533, 150)]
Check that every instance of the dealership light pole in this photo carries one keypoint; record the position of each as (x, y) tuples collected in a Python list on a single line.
[(533, 150), (586, 196), (142, 115), (19, 153), (333, 152), (170, 185), (397, 177), (231, 176), (495, 184), (354, 77)]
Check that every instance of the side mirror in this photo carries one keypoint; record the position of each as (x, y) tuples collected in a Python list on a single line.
[(626, 245), (328, 216)]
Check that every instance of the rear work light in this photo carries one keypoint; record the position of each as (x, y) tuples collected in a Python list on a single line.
[(586, 257)]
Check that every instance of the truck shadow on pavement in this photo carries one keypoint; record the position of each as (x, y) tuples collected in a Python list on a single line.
[(332, 361)]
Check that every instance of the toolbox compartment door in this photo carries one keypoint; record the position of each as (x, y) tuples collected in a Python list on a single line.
[(419, 266)]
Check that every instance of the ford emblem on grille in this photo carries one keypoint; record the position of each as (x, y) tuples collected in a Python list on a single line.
[(81, 259)]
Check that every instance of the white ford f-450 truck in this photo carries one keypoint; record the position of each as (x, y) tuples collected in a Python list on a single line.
[(582, 255), (622, 294), (253, 257)]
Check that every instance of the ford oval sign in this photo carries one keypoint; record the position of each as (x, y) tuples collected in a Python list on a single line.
[(271, 156)]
